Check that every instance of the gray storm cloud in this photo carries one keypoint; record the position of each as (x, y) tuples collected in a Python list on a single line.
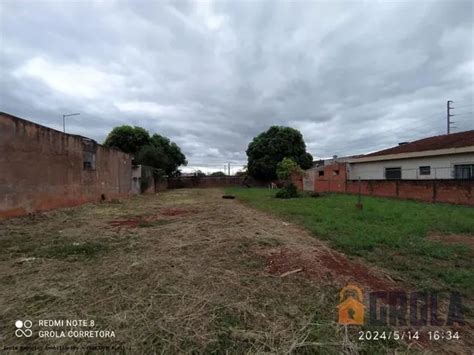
[(352, 76)]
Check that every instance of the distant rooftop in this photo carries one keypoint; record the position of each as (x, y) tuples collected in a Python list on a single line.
[(445, 141)]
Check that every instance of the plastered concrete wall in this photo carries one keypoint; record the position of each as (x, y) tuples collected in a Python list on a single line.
[(308, 180), (43, 169)]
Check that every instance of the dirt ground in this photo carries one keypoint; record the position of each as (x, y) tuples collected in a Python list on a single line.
[(454, 239), (180, 271)]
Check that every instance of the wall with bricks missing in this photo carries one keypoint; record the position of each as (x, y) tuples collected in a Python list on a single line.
[(43, 169), (330, 178), (334, 179)]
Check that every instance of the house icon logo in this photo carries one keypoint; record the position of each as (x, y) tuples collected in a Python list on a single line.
[(351, 308)]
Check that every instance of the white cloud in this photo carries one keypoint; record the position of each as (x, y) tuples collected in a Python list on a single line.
[(71, 79), (352, 76), (148, 108)]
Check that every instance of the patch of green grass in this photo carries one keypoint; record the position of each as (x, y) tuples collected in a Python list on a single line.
[(62, 251), (147, 224), (387, 232)]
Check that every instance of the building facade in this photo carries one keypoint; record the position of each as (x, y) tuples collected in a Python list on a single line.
[(440, 157), (434, 169)]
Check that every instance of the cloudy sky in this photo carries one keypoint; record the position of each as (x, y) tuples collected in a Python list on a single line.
[(353, 76)]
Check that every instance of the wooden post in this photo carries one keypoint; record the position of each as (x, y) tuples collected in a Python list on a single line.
[(359, 201)]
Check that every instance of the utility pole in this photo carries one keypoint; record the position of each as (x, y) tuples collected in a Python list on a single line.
[(228, 168), (448, 115), (64, 119)]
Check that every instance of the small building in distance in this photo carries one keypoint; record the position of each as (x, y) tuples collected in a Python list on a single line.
[(327, 175)]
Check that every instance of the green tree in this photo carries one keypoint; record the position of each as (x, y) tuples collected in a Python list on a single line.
[(286, 167), (152, 155), (128, 139), (156, 150), (175, 157), (270, 147)]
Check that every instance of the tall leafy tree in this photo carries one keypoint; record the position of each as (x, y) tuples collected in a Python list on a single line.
[(175, 157), (128, 139), (156, 150), (269, 148)]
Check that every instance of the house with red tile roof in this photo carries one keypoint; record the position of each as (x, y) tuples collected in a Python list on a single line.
[(449, 156)]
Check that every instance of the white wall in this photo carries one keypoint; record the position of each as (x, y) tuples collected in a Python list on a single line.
[(442, 167)]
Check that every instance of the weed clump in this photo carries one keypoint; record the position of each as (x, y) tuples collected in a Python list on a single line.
[(288, 191), (86, 250)]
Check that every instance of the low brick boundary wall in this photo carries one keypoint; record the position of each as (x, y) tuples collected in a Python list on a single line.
[(204, 181), (446, 190), (449, 191)]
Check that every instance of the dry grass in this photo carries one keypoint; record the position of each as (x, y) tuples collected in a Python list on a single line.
[(193, 279)]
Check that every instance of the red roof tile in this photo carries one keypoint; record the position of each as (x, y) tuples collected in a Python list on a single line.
[(445, 141)]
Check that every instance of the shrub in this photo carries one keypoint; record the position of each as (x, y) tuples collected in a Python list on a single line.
[(288, 191)]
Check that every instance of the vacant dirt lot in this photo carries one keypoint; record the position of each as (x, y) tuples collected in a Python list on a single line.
[(181, 271)]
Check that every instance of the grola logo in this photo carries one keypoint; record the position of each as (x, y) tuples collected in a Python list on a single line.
[(399, 308), (351, 308), (23, 328)]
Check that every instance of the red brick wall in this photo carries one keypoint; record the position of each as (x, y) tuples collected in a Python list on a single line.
[(297, 180), (450, 191), (205, 181), (42, 169), (416, 190), (333, 180), (455, 191)]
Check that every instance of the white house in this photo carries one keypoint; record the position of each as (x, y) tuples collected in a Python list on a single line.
[(449, 156)]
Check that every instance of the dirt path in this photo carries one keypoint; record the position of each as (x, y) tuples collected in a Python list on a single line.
[(181, 271)]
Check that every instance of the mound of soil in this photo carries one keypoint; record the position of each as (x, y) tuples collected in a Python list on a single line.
[(324, 264)]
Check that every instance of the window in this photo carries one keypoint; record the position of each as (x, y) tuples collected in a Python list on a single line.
[(464, 171), (393, 173), (88, 154), (335, 173), (425, 170), (321, 173), (89, 160)]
